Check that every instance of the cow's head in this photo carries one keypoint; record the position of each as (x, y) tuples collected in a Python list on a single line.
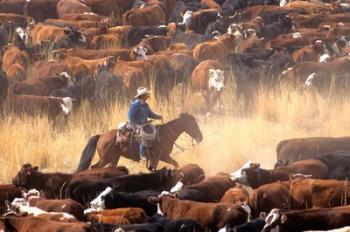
[(273, 219), (250, 174), (187, 18), (66, 77), (23, 177), (235, 30), (216, 79), (239, 175), (141, 53), (74, 35), (162, 202), (98, 203)]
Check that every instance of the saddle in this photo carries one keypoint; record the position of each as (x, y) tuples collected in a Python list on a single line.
[(144, 134)]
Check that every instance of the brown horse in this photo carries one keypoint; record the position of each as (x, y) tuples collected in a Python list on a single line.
[(110, 152)]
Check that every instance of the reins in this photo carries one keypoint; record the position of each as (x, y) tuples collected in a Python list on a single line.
[(181, 148)]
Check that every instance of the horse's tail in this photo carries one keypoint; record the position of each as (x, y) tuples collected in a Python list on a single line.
[(88, 153)]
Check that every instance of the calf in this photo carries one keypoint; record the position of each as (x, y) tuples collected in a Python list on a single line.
[(210, 189), (310, 193), (314, 219), (209, 215), (254, 176), (121, 216)]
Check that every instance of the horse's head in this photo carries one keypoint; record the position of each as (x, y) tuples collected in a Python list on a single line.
[(22, 178), (192, 127)]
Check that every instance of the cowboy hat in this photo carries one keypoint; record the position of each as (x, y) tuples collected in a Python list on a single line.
[(142, 91)]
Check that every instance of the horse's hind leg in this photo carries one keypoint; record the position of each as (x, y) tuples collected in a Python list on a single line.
[(170, 160)]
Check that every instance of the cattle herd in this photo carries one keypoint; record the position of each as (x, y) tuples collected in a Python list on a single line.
[(55, 54), (307, 190)]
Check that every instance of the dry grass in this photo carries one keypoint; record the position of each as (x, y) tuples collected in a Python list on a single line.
[(229, 139)]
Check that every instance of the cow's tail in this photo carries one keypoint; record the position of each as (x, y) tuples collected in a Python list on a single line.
[(88, 153)]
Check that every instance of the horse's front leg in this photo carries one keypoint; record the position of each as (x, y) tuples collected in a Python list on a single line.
[(169, 160)]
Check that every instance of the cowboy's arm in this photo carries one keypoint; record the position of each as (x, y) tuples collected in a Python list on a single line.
[(152, 115)]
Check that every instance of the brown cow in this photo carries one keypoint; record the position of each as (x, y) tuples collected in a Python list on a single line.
[(41, 32), (292, 150), (44, 69), (40, 86), (209, 215), (15, 64), (270, 196), (78, 66), (71, 6), (118, 54), (65, 206), (254, 176), (190, 174), (37, 224), (8, 192), (106, 41), (309, 53), (314, 21), (81, 24), (40, 10), (303, 220), (123, 216), (18, 20), (89, 17), (153, 14), (32, 105), (217, 49), (310, 193), (133, 73), (239, 193)]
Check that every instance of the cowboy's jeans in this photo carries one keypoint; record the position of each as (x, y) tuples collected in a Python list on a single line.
[(141, 150)]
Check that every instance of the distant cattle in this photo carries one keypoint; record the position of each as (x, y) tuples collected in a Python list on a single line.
[(151, 15), (292, 150), (215, 49)]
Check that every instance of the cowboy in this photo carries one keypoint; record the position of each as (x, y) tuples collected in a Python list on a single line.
[(139, 112)]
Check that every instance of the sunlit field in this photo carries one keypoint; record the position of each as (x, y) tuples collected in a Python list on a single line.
[(231, 136)]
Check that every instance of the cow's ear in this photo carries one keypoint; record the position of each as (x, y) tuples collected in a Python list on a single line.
[(284, 219), (36, 168), (66, 31), (153, 200)]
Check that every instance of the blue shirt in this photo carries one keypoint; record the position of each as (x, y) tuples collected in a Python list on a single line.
[(138, 113)]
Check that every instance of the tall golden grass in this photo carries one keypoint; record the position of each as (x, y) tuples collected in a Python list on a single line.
[(229, 138)]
